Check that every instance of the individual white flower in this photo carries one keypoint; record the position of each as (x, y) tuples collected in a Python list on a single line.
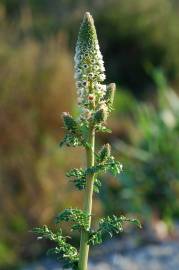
[(104, 87), (92, 61), (102, 104), (101, 62), (101, 77), (86, 113), (102, 69), (97, 47), (78, 84), (85, 66), (80, 92), (79, 71), (100, 88), (79, 100), (84, 83), (90, 75)]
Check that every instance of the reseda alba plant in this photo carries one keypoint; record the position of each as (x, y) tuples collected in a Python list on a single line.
[(95, 101)]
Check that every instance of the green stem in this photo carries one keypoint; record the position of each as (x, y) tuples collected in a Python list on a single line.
[(88, 194)]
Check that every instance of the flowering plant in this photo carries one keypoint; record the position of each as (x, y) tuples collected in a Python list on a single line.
[(95, 101)]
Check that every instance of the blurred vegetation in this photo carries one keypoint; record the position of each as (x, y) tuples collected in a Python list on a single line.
[(140, 43), (150, 151)]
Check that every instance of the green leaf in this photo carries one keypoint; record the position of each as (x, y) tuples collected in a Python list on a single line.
[(109, 97), (97, 185), (69, 123), (109, 164), (104, 153), (76, 132), (78, 177), (102, 128), (100, 116), (63, 251), (70, 140), (106, 163), (109, 226), (81, 218)]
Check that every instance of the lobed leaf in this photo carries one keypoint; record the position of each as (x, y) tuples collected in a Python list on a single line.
[(80, 217), (64, 251), (109, 226)]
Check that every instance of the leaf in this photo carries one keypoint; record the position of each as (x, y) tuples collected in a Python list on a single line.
[(78, 177), (109, 97), (70, 139), (63, 251), (70, 123), (105, 163), (102, 128), (80, 217), (100, 116), (104, 153), (109, 226), (97, 185)]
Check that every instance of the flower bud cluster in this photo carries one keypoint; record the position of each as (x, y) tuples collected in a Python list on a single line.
[(89, 69)]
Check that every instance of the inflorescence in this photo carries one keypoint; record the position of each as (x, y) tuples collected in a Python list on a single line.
[(89, 69)]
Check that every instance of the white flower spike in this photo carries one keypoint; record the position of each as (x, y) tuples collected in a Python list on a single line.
[(89, 66)]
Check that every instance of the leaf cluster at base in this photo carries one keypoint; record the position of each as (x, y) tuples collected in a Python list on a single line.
[(64, 251)]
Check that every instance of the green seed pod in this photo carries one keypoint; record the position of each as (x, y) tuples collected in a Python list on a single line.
[(69, 122), (105, 152), (110, 92), (100, 116)]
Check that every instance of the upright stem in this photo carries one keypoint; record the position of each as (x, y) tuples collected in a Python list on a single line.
[(88, 194)]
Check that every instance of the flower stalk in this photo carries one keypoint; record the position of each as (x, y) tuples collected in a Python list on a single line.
[(88, 194)]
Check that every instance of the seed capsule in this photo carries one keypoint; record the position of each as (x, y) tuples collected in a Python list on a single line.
[(91, 97)]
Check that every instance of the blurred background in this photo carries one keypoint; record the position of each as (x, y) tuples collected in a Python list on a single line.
[(139, 41)]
